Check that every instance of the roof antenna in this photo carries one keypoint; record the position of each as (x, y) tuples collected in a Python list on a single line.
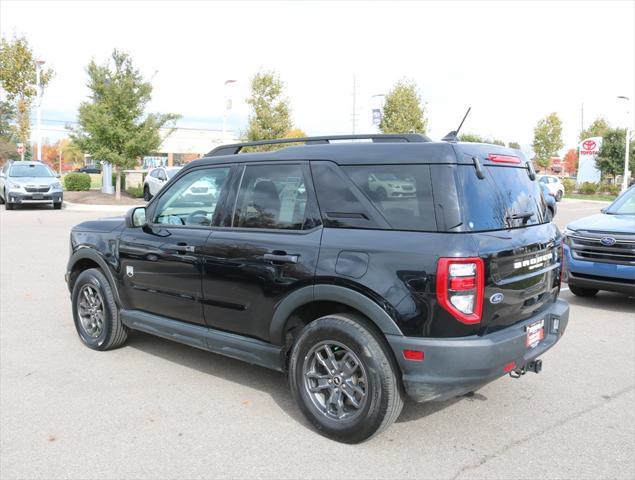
[(453, 136)]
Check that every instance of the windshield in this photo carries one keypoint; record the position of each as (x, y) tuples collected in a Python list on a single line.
[(624, 205), (30, 171), (172, 171)]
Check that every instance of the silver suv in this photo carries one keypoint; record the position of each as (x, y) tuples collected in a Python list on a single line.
[(29, 183)]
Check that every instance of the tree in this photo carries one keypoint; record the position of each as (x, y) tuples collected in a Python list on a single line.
[(471, 137), (597, 129), (610, 160), (270, 116), (497, 142), (113, 125), (403, 111), (515, 145), (18, 78), (7, 145), (570, 160), (547, 139), (295, 133), (71, 153)]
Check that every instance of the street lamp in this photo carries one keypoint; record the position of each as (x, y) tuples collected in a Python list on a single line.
[(38, 86), (625, 181), (227, 107)]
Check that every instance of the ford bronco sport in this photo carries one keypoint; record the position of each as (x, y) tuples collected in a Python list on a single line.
[(364, 297)]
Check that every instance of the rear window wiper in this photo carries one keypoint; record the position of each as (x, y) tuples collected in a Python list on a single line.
[(523, 215)]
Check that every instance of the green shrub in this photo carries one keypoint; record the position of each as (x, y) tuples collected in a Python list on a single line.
[(569, 185), (588, 188), (77, 182), (613, 189), (136, 192)]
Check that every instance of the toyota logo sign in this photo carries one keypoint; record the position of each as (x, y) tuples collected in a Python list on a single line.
[(589, 144)]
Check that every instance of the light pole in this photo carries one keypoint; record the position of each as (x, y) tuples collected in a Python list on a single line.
[(227, 107), (38, 68), (625, 181)]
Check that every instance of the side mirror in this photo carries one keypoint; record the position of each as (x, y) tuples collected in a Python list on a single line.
[(57, 175), (1, 174), (603, 210), (136, 217)]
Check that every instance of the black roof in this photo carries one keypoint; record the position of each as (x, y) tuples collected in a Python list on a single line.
[(409, 148)]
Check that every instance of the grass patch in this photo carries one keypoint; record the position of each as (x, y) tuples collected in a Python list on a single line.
[(595, 196)]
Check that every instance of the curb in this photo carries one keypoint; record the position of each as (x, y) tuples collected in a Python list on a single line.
[(88, 207), (579, 200)]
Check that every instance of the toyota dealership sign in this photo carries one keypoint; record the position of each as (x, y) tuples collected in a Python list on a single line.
[(587, 170)]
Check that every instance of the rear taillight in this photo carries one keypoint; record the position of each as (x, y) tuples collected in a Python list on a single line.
[(460, 285), (493, 157)]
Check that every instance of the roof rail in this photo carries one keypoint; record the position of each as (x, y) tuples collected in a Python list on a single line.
[(235, 148)]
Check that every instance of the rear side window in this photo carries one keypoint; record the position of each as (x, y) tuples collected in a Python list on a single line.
[(505, 198), (401, 193), (272, 197)]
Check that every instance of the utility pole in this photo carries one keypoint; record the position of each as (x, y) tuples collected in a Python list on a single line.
[(226, 107), (354, 118), (582, 119)]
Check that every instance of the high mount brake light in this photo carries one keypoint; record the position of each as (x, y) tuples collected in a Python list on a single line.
[(493, 157), (460, 285)]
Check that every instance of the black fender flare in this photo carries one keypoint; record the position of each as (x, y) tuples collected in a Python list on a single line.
[(90, 254), (333, 293)]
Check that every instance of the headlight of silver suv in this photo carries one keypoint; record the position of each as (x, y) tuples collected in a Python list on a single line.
[(56, 186), (13, 186)]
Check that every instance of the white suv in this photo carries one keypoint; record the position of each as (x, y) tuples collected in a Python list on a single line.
[(156, 179), (555, 186)]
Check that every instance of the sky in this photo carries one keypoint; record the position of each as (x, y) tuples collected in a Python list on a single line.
[(512, 62)]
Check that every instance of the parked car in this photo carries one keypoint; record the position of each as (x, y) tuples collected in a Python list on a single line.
[(554, 185), (550, 199), (388, 185), (156, 179), (89, 169), (600, 249), (29, 183), (295, 266)]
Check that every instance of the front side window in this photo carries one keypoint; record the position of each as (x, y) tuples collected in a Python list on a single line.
[(271, 196), (192, 200), (624, 205)]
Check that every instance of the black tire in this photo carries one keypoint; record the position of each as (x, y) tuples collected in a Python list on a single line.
[(9, 206), (382, 194), (559, 195), (583, 292), (146, 194), (57, 205), (2, 199), (113, 333), (382, 402)]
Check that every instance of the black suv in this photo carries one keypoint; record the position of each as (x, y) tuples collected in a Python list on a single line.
[(367, 270)]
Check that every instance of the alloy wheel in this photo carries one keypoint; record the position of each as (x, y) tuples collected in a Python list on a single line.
[(90, 308)]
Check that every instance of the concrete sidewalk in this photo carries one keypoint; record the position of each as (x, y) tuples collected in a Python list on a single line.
[(83, 207)]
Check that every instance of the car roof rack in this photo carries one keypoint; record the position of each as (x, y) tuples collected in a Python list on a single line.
[(235, 148)]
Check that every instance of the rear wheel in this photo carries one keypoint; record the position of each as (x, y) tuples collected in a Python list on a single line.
[(95, 312), (146, 194), (343, 379), (583, 292)]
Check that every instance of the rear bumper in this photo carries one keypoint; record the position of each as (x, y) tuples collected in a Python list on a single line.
[(598, 275), (454, 366)]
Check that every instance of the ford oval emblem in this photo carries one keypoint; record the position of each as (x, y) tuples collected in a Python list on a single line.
[(496, 298), (607, 241)]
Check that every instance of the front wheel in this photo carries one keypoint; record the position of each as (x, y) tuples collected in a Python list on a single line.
[(583, 292), (344, 379), (57, 205), (95, 312), (146, 194), (559, 195)]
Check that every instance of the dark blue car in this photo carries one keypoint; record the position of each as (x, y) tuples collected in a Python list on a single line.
[(600, 249)]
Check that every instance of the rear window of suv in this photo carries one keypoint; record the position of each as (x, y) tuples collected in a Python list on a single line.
[(505, 198)]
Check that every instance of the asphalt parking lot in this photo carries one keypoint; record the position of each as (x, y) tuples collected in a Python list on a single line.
[(156, 409)]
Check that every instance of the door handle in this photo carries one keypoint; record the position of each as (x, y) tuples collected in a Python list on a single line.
[(281, 258), (183, 247)]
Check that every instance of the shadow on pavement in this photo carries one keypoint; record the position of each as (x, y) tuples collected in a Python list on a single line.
[(271, 382), (608, 301)]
